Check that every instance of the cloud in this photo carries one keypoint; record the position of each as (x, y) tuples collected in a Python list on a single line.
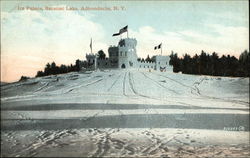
[(236, 38), (227, 40), (60, 36), (234, 17)]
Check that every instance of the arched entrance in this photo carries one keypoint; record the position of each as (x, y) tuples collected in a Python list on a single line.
[(123, 66)]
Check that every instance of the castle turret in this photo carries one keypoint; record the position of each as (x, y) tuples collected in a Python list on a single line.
[(127, 53), (91, 59)]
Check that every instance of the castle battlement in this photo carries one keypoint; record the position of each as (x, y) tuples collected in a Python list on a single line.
[(127, 42), (90, 55)]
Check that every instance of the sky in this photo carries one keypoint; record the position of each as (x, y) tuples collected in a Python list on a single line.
[(32, 38)]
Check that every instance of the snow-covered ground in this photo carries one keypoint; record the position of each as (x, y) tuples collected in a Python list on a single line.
[(126, 113)]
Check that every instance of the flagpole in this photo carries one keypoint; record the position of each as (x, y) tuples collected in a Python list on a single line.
[(91, 49), (127, 33), (91, 46), (95, 60), (161, 49)]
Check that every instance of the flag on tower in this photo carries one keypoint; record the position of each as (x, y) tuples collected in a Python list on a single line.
[(158, 47), (122, 30), (116, 34)]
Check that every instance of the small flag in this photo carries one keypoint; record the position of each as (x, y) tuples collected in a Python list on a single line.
[(158, 47), (122, 30), (116, 34), (125, 29)]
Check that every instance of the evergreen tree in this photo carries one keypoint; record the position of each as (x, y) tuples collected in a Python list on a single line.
[(39, 74), (244, 63), (186, 64), (215, 64), (47, 70), (63, 69), (101, 54), (223, 65), (203, 63), (23, 78), (195, 64), (175, 62), (78, 65), (53, 68)]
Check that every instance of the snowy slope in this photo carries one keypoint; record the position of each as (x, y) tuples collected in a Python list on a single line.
[(132, 87), (122, 112)]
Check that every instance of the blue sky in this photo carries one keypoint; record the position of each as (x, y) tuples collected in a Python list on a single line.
[(38, 37)]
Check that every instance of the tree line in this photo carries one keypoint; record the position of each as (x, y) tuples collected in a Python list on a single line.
[(203, 64), (53, 69), (206, 64)]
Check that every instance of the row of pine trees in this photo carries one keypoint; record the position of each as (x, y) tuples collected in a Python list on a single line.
[(203, 64), (53, 69), (206, 64)]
